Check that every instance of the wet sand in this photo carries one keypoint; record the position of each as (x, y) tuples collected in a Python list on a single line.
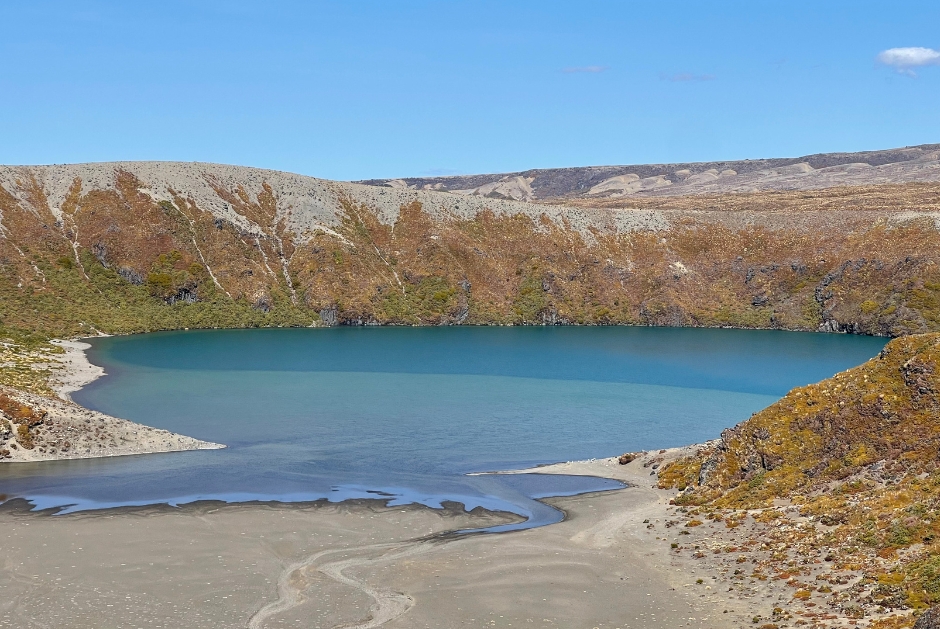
[(359, 565), (203, 565)]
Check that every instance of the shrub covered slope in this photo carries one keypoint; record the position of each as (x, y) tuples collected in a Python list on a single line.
[(857, 457), (121, 254)]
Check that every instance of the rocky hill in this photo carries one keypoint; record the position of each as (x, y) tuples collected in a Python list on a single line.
[(124, 247)]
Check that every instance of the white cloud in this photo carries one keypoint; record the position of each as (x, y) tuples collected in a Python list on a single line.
[(906, 58), (587, 69)]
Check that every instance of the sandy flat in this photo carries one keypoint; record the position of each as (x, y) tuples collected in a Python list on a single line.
[(601, 567), (358, 565), (206, 565)]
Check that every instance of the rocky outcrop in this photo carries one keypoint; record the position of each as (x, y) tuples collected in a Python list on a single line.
[(845, 469), (881, 412), (930, 619)]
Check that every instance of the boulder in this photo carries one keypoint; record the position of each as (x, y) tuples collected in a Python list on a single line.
[(930, 619)]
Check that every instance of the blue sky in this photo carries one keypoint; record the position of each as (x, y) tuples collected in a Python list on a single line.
[(359, 89)]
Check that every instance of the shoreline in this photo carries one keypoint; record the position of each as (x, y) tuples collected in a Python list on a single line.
[(69, 431), (76, 371), (23, 507), (711, 570), (60, 429)]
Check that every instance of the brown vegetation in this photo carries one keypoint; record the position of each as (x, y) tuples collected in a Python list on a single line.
[(19, 421), (120, 261), (855, 460)]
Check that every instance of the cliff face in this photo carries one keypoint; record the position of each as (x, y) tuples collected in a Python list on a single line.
[(142, 246)]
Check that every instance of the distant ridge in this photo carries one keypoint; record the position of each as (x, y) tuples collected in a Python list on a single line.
[(822, 170)]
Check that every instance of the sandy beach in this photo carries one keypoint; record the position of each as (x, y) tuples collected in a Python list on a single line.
[(361, 564), (623, 558), (75, 370)]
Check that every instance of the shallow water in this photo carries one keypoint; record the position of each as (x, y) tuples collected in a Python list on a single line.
[(405, 413)]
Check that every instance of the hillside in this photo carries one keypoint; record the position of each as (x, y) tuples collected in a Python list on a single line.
[(845, 468), (126, 247), (139, 246), (848, 464)]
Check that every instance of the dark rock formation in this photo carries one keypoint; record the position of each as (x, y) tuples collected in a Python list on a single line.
[(930, 619)]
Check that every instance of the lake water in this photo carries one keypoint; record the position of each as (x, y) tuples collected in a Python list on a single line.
[(405, 413)]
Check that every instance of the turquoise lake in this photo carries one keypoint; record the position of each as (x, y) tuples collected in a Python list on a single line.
[(404, 414)]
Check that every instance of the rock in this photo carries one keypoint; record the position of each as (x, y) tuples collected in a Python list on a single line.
[(626, 458), (328, 316), (930, 619)]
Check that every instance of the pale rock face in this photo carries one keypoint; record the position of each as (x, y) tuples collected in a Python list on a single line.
[(703, 177), (678, 269), (706, 176), (615, 184), (622, 185), (516, 188), (794, 169)]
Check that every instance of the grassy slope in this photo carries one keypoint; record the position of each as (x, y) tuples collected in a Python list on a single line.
[(118, 258)]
